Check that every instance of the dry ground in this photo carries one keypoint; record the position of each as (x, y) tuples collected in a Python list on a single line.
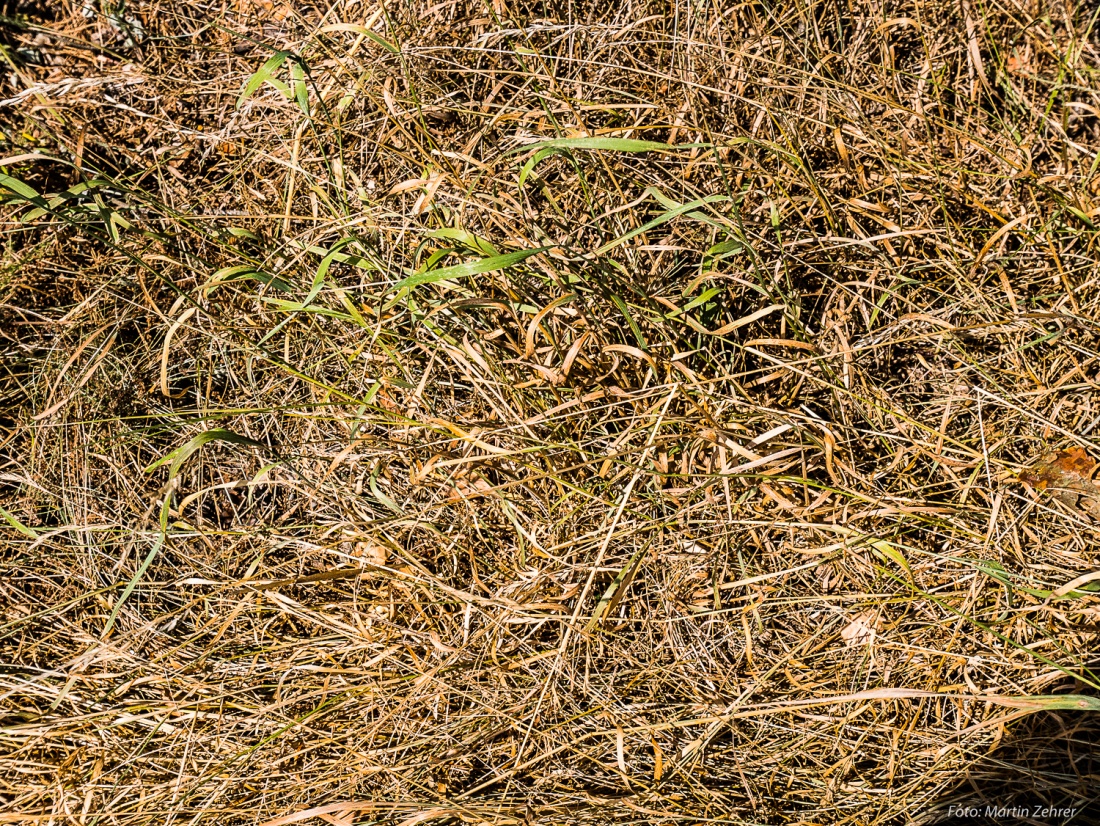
[(545, 412)]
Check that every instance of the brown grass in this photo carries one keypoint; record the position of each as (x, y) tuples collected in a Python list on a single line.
[(704, 511)]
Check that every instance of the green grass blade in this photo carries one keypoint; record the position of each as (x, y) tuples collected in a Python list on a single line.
[(608, 144), (663, 218), (260, 75), (17, 187), (298, 85), (490, 264), (19, 526), (180, 455)]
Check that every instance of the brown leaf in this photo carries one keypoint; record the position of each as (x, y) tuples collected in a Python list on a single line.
[(371, 553), (863, 629), (466, 488), (1068, 476)]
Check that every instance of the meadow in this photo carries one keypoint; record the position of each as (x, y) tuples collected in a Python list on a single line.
[(549, 412)]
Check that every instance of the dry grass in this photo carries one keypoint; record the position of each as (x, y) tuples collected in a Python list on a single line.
[(700, 507)]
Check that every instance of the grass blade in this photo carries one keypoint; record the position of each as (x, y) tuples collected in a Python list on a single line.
[(180, 455), (260, 75), (607, 144), (490, 264)]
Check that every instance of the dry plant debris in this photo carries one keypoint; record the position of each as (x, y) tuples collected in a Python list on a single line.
[(1069, 476), (560, 412), (862, 630)]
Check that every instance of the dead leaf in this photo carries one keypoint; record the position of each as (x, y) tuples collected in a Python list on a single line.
[(862, 630), (466, 488), (371, 553), (1068, 476)]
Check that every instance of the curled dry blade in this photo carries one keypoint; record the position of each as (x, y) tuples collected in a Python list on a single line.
[(1068, 476)]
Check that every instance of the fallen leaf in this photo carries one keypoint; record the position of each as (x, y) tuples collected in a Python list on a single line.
[(862, 630), (466, 488), (371, 553), (1068, 476)]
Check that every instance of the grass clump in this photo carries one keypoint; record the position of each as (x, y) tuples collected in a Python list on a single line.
[(551, 412)]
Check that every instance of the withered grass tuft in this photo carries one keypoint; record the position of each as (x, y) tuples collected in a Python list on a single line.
[(558, 412)]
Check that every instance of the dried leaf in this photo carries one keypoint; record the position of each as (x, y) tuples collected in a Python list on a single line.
[(862, 630), (465, 488), (371, 553), (1068, 476)]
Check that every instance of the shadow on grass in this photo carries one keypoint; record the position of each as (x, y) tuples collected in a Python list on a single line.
[(1046, 771)]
